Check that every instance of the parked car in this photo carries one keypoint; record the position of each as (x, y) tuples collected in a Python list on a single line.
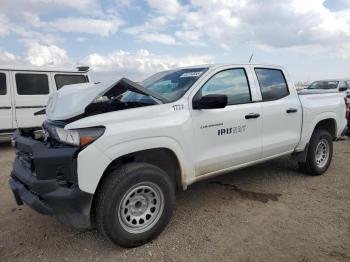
[(114, 153), (327, 86), (25, 90)]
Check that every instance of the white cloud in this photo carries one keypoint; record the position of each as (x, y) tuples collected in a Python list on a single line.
[(7, 58), (40, 55), (275, 24), (24, 18), (37, 6), (105, 26), (157, 38), (139, 64), (4, 30), (167, 7), (29, 36), (190, 37), (148, 32), (76, 4), (124, 3), (81, 39), (153, 25), (102, 27)]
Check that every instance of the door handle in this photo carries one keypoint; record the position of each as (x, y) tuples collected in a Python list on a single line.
[(252, 115), (291, 110)]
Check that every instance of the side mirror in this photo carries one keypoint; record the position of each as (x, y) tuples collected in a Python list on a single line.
[(210, 101), (343, 89)]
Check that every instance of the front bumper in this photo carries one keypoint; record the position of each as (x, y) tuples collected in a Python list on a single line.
[(45, 178)]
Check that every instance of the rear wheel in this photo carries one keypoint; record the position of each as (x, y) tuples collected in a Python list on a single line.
[(134, 204), (319, 154)]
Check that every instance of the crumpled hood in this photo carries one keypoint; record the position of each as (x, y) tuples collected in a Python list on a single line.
[(71, 100)]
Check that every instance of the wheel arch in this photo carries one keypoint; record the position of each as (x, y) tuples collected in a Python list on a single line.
[(329, 125), (325, 121), (162, 157)]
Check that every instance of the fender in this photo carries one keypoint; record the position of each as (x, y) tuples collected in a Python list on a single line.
[(307, 133), (89, 183)]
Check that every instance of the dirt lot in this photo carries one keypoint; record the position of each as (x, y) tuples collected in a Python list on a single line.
[(270, 212)]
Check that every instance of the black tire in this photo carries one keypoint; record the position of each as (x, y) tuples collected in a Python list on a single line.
[(311, 167), (112, 194)]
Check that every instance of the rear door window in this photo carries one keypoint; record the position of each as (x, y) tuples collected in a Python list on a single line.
[(272, 82), (3, 89), (32, 84), (62, 80)]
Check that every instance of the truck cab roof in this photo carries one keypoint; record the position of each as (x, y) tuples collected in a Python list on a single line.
[(215, 66)]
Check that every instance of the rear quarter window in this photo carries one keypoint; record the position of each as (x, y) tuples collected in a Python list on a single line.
[(32, 84), (62, 80), (272, 82), (3, 89)]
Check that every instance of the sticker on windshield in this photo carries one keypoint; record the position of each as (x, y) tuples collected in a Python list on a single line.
[(192, 74)]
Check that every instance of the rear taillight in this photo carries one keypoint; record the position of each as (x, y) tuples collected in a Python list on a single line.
[(347, 105)]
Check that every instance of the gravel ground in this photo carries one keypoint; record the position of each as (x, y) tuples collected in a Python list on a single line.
[(269, 212)]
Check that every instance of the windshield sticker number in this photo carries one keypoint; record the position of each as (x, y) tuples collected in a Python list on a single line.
[(191, 74)]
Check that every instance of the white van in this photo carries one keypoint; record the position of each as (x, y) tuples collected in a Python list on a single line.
[(25, 90)]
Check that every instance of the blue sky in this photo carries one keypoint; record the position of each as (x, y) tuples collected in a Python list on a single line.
[(136, 38)]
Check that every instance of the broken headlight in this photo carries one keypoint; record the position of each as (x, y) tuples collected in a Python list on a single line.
[(78, 137)]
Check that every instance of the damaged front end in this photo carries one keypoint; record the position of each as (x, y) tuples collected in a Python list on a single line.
[(44, 176)]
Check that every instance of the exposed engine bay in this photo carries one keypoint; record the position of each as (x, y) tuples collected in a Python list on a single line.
[(124, 95), (70, 104)]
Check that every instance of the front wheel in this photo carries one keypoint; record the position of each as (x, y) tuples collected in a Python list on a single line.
[(320, 153), (134, 204)]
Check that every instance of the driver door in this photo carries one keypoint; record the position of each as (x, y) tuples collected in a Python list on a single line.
[(231, 136)]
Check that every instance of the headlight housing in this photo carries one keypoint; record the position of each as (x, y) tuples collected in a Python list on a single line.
[(78, 137)]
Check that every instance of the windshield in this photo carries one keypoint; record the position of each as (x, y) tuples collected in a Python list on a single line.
[(323, 85), (171, 85)]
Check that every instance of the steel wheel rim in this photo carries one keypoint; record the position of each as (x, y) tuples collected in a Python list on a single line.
[(141, 207), (322, 153)]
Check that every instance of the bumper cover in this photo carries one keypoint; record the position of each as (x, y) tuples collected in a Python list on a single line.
[(46, 179)]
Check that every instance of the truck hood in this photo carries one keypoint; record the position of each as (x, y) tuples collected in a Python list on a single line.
[(71, 101)]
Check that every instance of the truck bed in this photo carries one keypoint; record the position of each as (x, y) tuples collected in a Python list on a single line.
[(317, 105)]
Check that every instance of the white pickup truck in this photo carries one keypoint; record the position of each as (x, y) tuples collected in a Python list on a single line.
[(113, 154)]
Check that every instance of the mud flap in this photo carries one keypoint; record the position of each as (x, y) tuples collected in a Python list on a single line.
[(301, 156)]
